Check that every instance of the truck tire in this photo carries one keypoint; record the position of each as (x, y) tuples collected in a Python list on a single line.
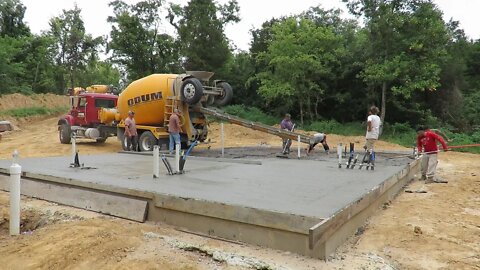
[(101, 140), (65, 134), (124, 143), (227, 94), (147, 141), (191, 91), (103, 136)]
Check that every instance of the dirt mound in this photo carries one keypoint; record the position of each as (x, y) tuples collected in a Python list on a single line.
[(15, 101), (18, 101)]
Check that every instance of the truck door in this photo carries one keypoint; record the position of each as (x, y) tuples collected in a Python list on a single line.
[(82, 111)]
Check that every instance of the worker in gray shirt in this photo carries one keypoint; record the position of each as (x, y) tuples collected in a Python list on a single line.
[(319, 138)]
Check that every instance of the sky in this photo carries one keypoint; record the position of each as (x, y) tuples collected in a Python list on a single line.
[(252, 12)]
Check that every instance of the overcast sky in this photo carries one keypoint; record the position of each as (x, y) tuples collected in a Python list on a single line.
[(252, 12)]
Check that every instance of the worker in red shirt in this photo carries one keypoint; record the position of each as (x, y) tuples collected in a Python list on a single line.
[(427, 140)]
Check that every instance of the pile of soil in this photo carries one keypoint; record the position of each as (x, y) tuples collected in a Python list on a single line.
[(15, 101)]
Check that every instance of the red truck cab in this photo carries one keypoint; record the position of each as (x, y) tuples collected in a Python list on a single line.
[(82, 121)]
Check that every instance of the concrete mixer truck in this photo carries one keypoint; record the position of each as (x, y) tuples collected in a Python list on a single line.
[(153, 99)]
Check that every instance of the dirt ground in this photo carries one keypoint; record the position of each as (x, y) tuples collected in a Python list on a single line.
[(439, 229)]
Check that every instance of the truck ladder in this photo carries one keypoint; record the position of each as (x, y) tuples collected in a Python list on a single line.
[(170, 105), (282, 133)]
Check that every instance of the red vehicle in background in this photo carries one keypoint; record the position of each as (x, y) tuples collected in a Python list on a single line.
[(82, 121)]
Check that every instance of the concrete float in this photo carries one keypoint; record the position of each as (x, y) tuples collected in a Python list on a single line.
[(308, 207)]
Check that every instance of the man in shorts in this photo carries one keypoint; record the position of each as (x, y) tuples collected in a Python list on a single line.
[(373, 129)]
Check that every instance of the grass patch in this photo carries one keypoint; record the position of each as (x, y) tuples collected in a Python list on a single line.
[(399, 133), (33, 111)]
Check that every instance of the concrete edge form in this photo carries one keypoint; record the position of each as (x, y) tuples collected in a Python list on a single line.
[(334, 230), (236, 231), (248, 215), (83, 184), (89, 199)]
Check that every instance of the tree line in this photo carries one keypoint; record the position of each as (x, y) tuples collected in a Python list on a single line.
[(397, 54)]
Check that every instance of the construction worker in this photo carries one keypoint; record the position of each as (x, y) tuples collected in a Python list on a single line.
[(438, 132), (287, 125), (131, 132), (174, 130), (373, 129), (427, 140), (319, 138)]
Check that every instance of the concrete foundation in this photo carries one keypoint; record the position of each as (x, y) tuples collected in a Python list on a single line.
[(304, 206)]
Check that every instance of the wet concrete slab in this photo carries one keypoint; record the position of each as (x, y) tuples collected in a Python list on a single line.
[(314, 187)]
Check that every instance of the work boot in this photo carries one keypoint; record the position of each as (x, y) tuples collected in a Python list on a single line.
[(440, 181), (429, 180)]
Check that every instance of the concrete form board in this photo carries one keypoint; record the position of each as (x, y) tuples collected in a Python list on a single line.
[(110, 204), (280, 221)]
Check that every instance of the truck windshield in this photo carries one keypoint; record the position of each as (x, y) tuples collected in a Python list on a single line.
[(104, 103)]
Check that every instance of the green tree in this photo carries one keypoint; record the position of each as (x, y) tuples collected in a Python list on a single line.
[(14, 35), (344, 98), (12, 13), (404, 46), (471, 91), (38, 58), (137, 42), (73, 47), (200, 27), (300, 55), (11, 70), (99, 72), (237, 72)]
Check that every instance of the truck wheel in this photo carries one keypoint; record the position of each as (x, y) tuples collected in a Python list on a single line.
[(147, 141), (226, 95), (191, 91), (124, 143), (101, 140), (65, 134)]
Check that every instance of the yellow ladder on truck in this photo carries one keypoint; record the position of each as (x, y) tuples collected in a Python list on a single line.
[(170, 105)]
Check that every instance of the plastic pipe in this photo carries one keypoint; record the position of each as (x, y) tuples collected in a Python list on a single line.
[(177, 158), (222, 139), (339, 153), (15, 172), (298, 146), (74, 147), (156, 161)]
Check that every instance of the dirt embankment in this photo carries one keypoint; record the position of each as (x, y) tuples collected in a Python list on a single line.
[(15, 101), (18, 101)]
